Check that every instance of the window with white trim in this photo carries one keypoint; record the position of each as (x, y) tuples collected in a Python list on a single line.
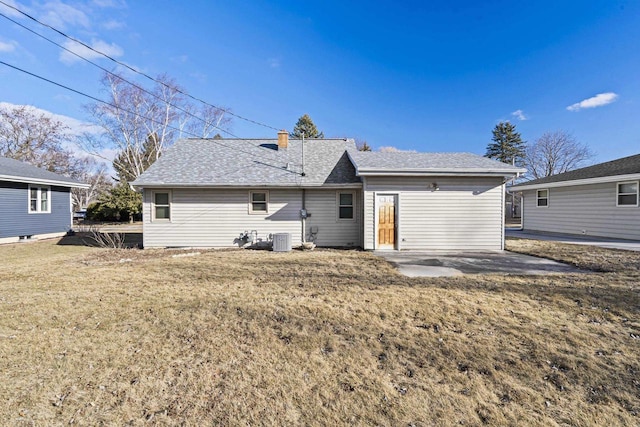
[(39, 199), (627, 193), (161, 206), (542, 197), (258, 202), (346, 205)]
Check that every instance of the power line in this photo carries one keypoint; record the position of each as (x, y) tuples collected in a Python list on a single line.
[(134, 70), (215, 141), (112, 73)]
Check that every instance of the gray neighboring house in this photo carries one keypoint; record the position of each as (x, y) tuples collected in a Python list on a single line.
[(207, 192), (35, 203), (600, 200)]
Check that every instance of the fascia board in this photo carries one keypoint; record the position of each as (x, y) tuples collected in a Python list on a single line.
[(424, 172), (139, 187), (43, 181), (587, 181)]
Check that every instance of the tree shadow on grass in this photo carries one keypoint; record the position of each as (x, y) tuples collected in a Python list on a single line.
[(129, 240)]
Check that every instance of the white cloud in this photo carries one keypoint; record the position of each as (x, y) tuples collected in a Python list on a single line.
[(390, 149), (112, 24), (9, 11), (76, 127), (112, 50), (8, 47), (59, 15), (109, 3), (519, 114), (274, 62), (180, 59), (595, 101)]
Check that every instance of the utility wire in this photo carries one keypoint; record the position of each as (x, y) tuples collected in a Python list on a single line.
[(113, 74), (134, 70), (215, 141)]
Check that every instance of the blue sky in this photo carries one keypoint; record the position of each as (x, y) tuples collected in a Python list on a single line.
[(425, 76)]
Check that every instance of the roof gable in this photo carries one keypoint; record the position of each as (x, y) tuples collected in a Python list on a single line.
[(17, 171), (252, 162)]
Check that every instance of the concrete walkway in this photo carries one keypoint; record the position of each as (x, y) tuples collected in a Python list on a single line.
[(438, 264), (629, 245)]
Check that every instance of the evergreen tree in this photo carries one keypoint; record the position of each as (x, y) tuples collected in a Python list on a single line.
[(362, 145), (121, 199), (507, 145), (130, 163), (305, 125)]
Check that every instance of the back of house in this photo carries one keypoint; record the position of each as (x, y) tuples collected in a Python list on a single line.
[(241, 192)]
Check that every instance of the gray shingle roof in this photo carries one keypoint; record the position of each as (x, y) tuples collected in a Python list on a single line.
[(252, 162), (428, 162), (625, 166), (14, 170)]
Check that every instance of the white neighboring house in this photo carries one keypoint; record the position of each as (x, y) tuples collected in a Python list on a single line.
[(207, 192), (600, 200)]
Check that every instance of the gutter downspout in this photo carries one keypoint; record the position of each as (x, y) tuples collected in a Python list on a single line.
[(304, 220)]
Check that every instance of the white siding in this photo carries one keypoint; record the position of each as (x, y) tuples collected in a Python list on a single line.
[(586, 209), (464, 214), (323, 207), (215, 218)]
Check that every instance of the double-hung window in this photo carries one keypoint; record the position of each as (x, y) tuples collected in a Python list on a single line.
[(542, 197), (39, 199), (258, 202), (161, 206), (627, 193), (345, 205)]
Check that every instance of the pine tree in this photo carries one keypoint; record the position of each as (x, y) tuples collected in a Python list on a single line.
[(129, 163), (507, 146), (306, 126)]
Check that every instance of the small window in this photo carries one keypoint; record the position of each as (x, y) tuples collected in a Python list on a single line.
[(39, 200), (161, 206), (543, 198), (345, 205), (259, 202), (628, 193)]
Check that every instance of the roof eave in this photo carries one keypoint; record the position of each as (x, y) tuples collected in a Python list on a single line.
[(26, 180), (141, 186), (437, 172), (569, 183)]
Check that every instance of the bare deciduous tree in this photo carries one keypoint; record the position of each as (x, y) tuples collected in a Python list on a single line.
[(554, 153), (35, 138), (139, 123), (95, 174)]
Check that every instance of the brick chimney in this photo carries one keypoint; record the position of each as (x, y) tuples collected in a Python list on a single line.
[(283, 139)]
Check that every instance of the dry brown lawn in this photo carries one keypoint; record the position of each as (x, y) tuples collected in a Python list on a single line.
[(125, 337)]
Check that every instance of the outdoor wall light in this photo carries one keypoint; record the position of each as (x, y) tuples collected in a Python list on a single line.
[(434, 186)]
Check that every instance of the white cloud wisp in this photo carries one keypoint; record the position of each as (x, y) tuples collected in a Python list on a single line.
[(519, 114), (68, 58), (599, 100)]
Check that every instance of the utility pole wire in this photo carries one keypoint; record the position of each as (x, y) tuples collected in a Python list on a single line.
[(134, 70), (212, 140)]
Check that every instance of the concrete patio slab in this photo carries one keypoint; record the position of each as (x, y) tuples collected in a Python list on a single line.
[(439, 264)]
